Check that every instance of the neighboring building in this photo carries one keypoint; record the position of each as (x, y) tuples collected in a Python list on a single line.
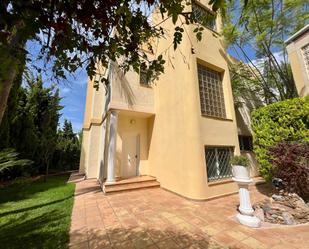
[(180, 129), (298, 52)]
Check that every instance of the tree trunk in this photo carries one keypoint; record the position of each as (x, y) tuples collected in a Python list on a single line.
[(5, 88), (12, 57), (47, 169)]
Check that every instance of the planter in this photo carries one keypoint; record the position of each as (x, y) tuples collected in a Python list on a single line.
[(242, 177), (240, 172)]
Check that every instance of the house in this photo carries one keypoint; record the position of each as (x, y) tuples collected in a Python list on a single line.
[(298, 51), (181, 129)]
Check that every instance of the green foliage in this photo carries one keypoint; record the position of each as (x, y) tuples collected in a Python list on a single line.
[(9, 159), (240, 160), (67, 152), (36, 214), (261, 30), (30, 126), (282, 121), (102, 31)]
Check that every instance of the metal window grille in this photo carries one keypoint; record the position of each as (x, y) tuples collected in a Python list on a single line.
[(204, 16), (211, 92), (218, 163), (305, 52), (143, 79)]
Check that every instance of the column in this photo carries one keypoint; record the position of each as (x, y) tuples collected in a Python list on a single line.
[(112, 147)]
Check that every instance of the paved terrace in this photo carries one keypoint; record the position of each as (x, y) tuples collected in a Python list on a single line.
[(156, 218)]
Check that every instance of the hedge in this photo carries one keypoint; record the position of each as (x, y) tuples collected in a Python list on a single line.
[(286, 120)]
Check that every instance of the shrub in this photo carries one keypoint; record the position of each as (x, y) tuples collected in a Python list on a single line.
[(291, 164), (240, 160), (9, 160), (282, 121)]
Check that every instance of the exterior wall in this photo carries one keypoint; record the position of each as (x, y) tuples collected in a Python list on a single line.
[(180, 132), (174, 139), (128, 94), (93, 131), (300, 73), (243, 119)]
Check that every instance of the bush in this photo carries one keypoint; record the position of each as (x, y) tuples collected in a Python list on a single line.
[(9, 161), (240, 160), (291, 164), (282, 121)]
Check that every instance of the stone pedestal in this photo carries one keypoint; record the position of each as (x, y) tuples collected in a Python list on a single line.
[(245, 216)]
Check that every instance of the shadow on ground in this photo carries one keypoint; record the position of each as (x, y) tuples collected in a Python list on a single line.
[(37, 214), (140, 237)]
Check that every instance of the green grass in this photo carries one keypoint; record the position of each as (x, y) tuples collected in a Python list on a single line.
[(36, 214)]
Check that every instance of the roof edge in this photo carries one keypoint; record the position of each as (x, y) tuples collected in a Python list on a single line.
[(297, 34)]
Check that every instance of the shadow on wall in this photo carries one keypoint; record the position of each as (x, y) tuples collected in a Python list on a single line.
[(133, 237), (125, 88)]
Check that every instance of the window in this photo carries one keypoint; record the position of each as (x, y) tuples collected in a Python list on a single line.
[(204, 16), (305, 52), (218, 162), (211, 92), (143, 80), (245, 143)]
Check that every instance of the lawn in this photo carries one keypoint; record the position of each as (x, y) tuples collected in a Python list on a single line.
[(36, 214)]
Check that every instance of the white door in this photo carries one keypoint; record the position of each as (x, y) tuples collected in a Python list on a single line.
[(130, 159)]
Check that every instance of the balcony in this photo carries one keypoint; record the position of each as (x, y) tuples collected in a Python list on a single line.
[(128, 94)]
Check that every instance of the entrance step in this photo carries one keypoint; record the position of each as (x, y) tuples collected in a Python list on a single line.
[(138, 182)]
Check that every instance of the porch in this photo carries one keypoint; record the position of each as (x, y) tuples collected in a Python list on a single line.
[(155, 218), (125, 164), (132, 183)]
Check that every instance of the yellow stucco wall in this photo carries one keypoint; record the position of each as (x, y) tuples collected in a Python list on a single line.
[(180, 132), (168, 118), (300, 74), (128, 94)]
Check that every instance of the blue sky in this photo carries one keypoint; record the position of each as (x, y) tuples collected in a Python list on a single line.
[(72, 90), (73, 100)]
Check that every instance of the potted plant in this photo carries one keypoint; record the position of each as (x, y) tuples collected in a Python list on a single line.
[(240, 168)]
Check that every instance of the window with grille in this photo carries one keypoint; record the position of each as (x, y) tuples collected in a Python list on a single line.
[(211, 92), (143, 79), (218, 162), (245, 143), (305, 52), (204, 16)]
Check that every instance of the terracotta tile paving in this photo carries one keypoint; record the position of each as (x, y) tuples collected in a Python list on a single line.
[(156, 218)]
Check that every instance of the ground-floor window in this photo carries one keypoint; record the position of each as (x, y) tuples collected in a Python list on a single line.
[(245, 143), (218, 162)]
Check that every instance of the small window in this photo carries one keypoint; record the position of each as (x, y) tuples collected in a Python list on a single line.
[(218, 162), (305, 52), (245, 143), (204, 16), (143, 79), (211, 92)]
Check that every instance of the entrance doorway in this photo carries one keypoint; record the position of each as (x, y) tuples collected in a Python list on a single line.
[(130, 155)]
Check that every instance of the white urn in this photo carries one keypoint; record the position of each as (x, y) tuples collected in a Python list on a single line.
[(241, 176)]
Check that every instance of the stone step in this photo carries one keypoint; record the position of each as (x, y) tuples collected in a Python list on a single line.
[(131, 184)]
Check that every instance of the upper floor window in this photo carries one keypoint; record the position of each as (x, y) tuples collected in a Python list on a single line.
[(204, 16), (305, 52), (211, 92), (245, 143), (143, 79)]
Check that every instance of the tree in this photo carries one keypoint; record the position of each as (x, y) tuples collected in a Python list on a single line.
[(257, 37), (44, 105), (68, 148), (81, 33)]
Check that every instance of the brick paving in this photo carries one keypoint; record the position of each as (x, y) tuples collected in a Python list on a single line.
[(156, 218)]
